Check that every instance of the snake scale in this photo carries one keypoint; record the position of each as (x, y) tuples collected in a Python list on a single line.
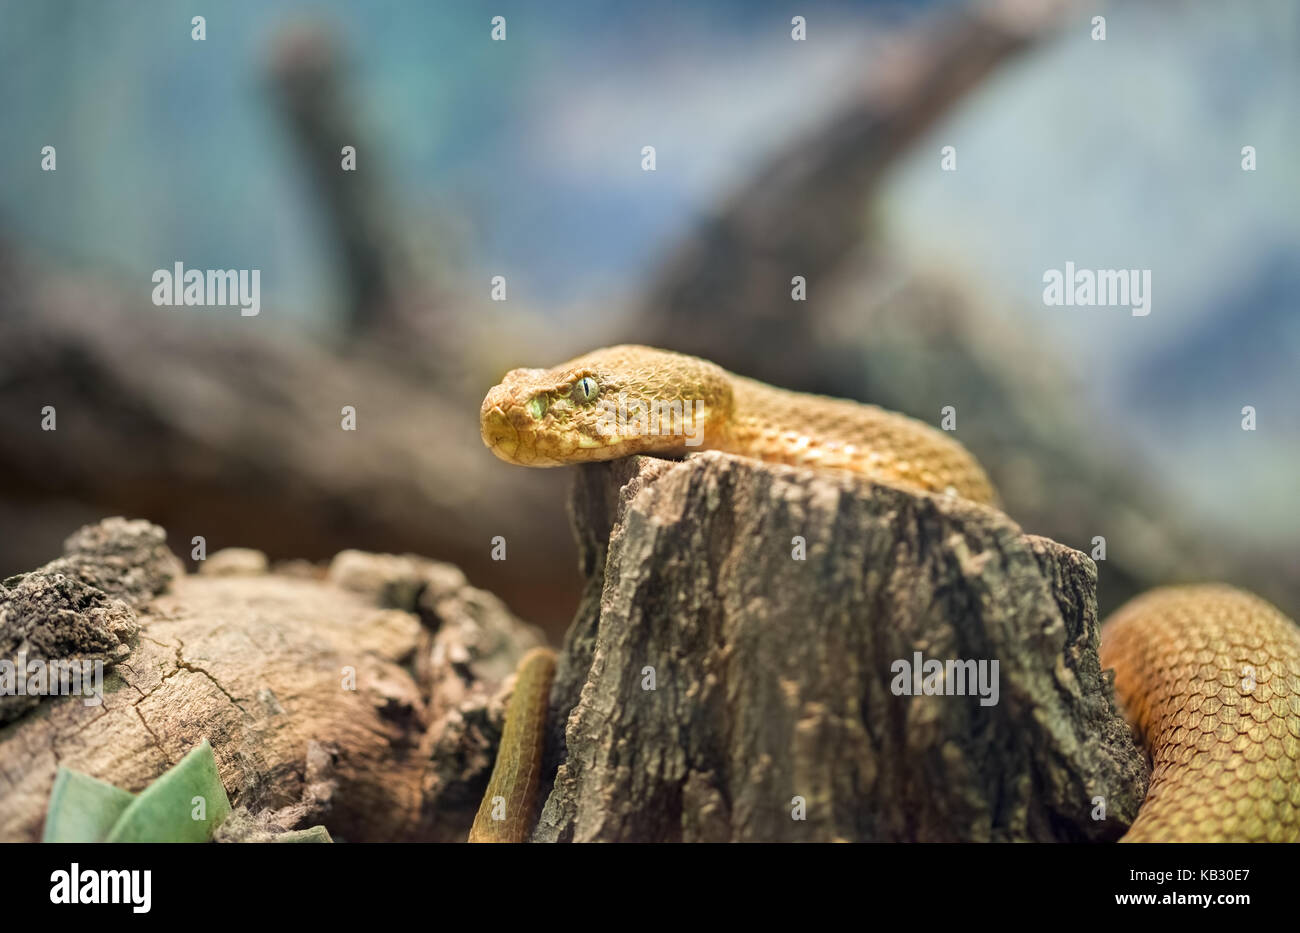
[(1208, 676)]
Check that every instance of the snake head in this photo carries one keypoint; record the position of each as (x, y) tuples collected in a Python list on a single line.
[(599, 407)]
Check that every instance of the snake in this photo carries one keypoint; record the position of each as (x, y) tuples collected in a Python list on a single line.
[(1207, 675)]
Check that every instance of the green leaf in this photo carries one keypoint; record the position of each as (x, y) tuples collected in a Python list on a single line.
[(166, 810), (313, 834), (82, 809)]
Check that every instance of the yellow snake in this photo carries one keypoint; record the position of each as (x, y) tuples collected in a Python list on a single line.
[(1208, 676)]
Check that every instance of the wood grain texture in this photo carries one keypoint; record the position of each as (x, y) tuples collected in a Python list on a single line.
[(773, 675)]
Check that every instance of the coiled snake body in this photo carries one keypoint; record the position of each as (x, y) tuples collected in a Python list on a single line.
[(1208, 676)]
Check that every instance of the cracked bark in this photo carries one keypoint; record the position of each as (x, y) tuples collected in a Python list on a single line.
[(262, 665), (773, 676)]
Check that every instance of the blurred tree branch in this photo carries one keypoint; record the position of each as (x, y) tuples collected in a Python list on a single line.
[(871, 332)]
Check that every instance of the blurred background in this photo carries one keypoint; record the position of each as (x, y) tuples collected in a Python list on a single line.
[(523, 158)]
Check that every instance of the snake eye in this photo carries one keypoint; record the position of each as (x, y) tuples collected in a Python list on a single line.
[(585, 389), (537, 406)]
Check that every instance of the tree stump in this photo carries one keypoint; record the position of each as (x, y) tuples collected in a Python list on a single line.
[(775, 679)]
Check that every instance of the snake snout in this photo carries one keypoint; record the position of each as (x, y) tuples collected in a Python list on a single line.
[(499, 434)]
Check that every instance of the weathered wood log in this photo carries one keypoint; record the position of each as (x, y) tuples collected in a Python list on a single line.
[(776, 675), (300, 679)]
